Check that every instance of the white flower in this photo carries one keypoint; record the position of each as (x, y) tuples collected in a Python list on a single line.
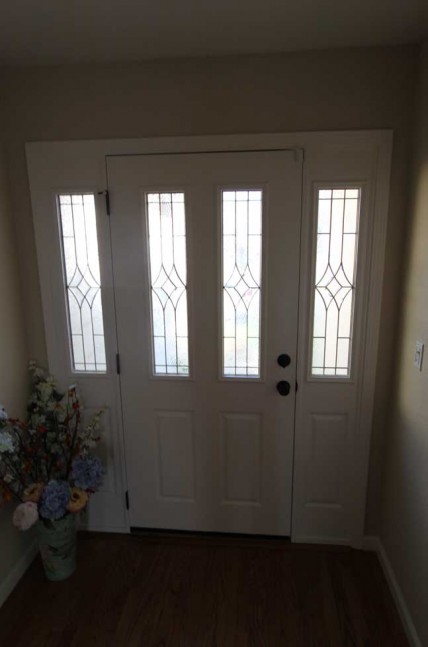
[(3, 414), (25, 515), (45, 390), (37, 372), (6, 442)]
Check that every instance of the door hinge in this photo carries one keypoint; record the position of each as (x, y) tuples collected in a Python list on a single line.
[(297, 386), (118, 363), (127, 499), (106, 194)]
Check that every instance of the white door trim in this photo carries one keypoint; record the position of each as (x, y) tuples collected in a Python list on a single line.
[(83, 164)]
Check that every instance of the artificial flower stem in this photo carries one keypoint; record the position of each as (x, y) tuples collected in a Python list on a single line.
[(76, 429), (14, 471), (13, 493)]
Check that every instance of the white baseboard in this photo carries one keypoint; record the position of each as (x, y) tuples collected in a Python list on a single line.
[(330, 541), (371, 543), (109, 529), (18, 570), (374, 544), (89, 527)]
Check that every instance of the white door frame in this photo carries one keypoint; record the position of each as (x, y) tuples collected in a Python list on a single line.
[(80, 165)]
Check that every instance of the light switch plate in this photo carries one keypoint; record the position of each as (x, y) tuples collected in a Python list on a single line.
[(419, 354)]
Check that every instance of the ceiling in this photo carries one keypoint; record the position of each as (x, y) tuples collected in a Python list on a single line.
[(81, 31)]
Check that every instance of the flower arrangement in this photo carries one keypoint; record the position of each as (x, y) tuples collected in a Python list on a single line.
[(45, 462)]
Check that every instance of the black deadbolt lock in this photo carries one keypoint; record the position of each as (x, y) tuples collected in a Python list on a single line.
[(283, 387), (284, 360)]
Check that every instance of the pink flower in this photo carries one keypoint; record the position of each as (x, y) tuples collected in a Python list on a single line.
[(25, 515)]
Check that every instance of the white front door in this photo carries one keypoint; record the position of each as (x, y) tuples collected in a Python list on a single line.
[(206, 271)]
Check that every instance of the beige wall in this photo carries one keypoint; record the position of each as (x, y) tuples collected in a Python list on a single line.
[(404, 529), (331, 90), (13, 362)]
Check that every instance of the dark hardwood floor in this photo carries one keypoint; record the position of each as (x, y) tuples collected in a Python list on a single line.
[(184, 591)]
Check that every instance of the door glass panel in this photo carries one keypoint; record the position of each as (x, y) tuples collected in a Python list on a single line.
[(241, 282), (168, 282), (338, 211), (78, 228)]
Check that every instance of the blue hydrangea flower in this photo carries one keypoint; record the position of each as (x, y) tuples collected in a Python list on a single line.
[(6, 442), (87, 472), (54, 500)]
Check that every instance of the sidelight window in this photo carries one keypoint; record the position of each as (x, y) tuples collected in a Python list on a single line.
[(82, 281), (338, 211)]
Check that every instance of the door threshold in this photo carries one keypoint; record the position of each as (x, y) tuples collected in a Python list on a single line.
[(209, 536)]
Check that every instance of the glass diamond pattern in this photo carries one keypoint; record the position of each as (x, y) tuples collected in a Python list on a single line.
[(82, 281), (241, 272), (335, 274), (168, 282)]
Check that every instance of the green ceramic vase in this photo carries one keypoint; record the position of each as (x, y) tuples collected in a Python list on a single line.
[(57, 544)]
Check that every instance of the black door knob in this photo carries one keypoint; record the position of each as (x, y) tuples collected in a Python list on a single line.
[(284, 360), (283, 387)]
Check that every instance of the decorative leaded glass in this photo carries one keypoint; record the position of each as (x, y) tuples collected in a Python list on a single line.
[(335, 274), (82, 281), (168, 282), (242, 274)]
